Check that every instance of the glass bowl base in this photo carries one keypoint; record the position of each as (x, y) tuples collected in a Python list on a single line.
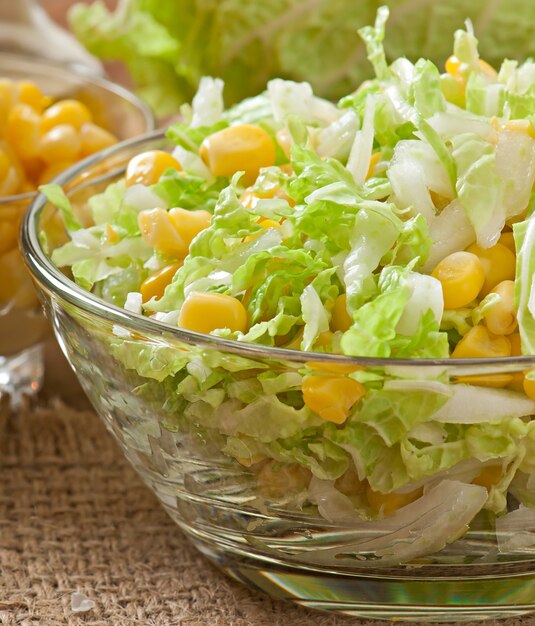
[(384, 597), (22, 374)]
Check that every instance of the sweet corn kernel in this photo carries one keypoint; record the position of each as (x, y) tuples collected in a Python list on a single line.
[(189, 224), (29, 93), (480, 343), (94, 138), (12, 184), (154, 286), (387, 503), (340, 319), (529, 388), (324, 340), (488, 476), (61, 143), (65, 112), (498, 263), (265, 223), (461, 276), (277, 481), (375, 158), (112, 236), (205, 312), (332, 397), (7, 100), (147, 167), (507, 239), (520, 126), (501, 318), (244, 147), (453, 66), (23, 132), (160, 233)]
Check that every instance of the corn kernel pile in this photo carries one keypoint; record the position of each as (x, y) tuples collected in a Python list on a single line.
[(38, 140)]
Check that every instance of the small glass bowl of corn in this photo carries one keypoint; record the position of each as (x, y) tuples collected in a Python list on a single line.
[(50, 118)]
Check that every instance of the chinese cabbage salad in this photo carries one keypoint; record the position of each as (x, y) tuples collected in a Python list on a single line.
[(394, 224)]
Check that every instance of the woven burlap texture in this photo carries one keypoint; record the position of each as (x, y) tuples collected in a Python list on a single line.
[(75, 517)]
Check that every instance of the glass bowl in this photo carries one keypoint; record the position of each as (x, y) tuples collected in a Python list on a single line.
[(185, 406), (22, 325)]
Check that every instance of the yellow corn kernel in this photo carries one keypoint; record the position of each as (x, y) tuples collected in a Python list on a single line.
[(498, 263), (94, 138), (112, 236), (29, 93), (147, 167), (7, 100), (480, 343), (22, 131), (10, 184), (276, 480), (507, 239), (488, 476), (265, 223), (461, 276), (160, 233), (516, 344), (520, 126), (387, 503), (154, 286), (501, 319), (189, 224), (340, 319), (244, 147), (52, 170), (9, 178), (61, 143), (529, 388), (8, 236), (324, 340), (205, 312), (453, 66), (332, 397), (375, 158), (66, 112)]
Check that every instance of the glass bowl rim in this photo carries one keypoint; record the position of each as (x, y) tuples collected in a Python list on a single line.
[(88, 77), (47, 273)]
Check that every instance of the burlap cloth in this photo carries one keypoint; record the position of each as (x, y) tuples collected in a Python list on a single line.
[(74, 517)]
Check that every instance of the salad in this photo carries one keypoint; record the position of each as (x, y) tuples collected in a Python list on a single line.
[(395, 224)]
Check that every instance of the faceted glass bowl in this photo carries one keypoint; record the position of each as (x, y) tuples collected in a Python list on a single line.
[(22, 325), (250, 517)]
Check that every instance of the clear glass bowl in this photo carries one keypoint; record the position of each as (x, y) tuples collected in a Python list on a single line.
[(250, 516), (22, 325)]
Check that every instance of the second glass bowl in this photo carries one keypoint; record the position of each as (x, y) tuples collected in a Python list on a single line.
[(22, 325)]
